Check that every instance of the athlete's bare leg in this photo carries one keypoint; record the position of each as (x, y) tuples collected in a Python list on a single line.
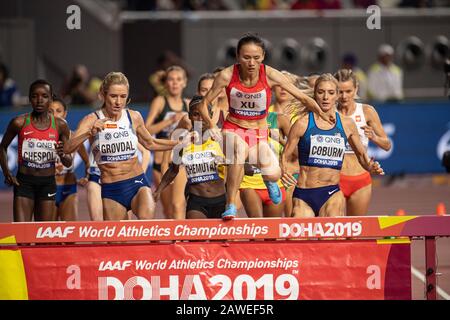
[(301, 209), (358, 203), (113, 210), (143, 205), (334, 206), (23, 209), (45, 210), (252, 203), (68, 209), (94, 199)]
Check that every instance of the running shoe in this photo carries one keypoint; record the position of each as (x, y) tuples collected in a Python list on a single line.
[(230, 212), (274, 191)]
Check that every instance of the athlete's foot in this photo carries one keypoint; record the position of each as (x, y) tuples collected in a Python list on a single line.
[(274, 191), (230, 212)]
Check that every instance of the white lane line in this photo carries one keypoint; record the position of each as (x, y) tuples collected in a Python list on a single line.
[(419, 275)]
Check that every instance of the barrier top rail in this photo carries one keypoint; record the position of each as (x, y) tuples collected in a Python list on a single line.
[(215, 229)]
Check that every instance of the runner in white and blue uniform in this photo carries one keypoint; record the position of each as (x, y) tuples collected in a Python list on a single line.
[(321, 149), (114, 138)]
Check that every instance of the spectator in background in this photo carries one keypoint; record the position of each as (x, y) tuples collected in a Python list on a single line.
[(349, 61), (316, 4), (9, 94), (80, 89), (385, 79)]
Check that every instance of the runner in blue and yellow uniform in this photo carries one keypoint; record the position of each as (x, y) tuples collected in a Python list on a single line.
[(321, 148), (202, 160)]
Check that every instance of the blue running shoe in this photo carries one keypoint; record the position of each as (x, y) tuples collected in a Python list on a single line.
[(230, 212), (274, 191)]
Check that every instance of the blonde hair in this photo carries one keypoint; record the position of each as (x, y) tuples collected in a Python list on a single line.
[(175, 68), (343, 75), (113, 78), (324, 78)]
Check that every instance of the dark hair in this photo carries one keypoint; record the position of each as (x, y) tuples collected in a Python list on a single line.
[(195, 101), (218, 69), (60, 101), (40, 83), (4, 70), (250, 38), (204, 76)]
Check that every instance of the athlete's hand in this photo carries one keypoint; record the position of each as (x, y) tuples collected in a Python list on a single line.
[(59, 147), (368, 131), (83, 181), (331, 119), (177, 117), (99, 125), (156, 196), (11, 180), (215, 134), (59, 167), (286, 178), (375, 168), (191, 137)]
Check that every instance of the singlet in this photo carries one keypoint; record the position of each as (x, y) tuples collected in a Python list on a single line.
[(322, 148), (249, 103), (166, 113), (117, 142), (37, 146), (293, 116), (200, 161), (360, 121)]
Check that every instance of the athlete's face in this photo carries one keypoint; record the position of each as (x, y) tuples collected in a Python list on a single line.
[(195, 116), (116, 99), (205, 86), (40, 98), (326, 95), (281, 95), (176, 82), (347, 92), (250, 57), (57, 109)]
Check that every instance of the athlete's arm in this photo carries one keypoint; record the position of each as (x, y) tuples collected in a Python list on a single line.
[(64, 136), (220, 82), (145, 157), (275, 77), (296, 132), (374, 129), (156, 107), (85, 157), (167, 179), (87, 127), (11, 132), (353, 139), (145, 138), (284, 124)]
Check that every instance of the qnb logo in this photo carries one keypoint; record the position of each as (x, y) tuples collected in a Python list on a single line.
[(443, 144), (58, 232), (108, 136), (379, 153)]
